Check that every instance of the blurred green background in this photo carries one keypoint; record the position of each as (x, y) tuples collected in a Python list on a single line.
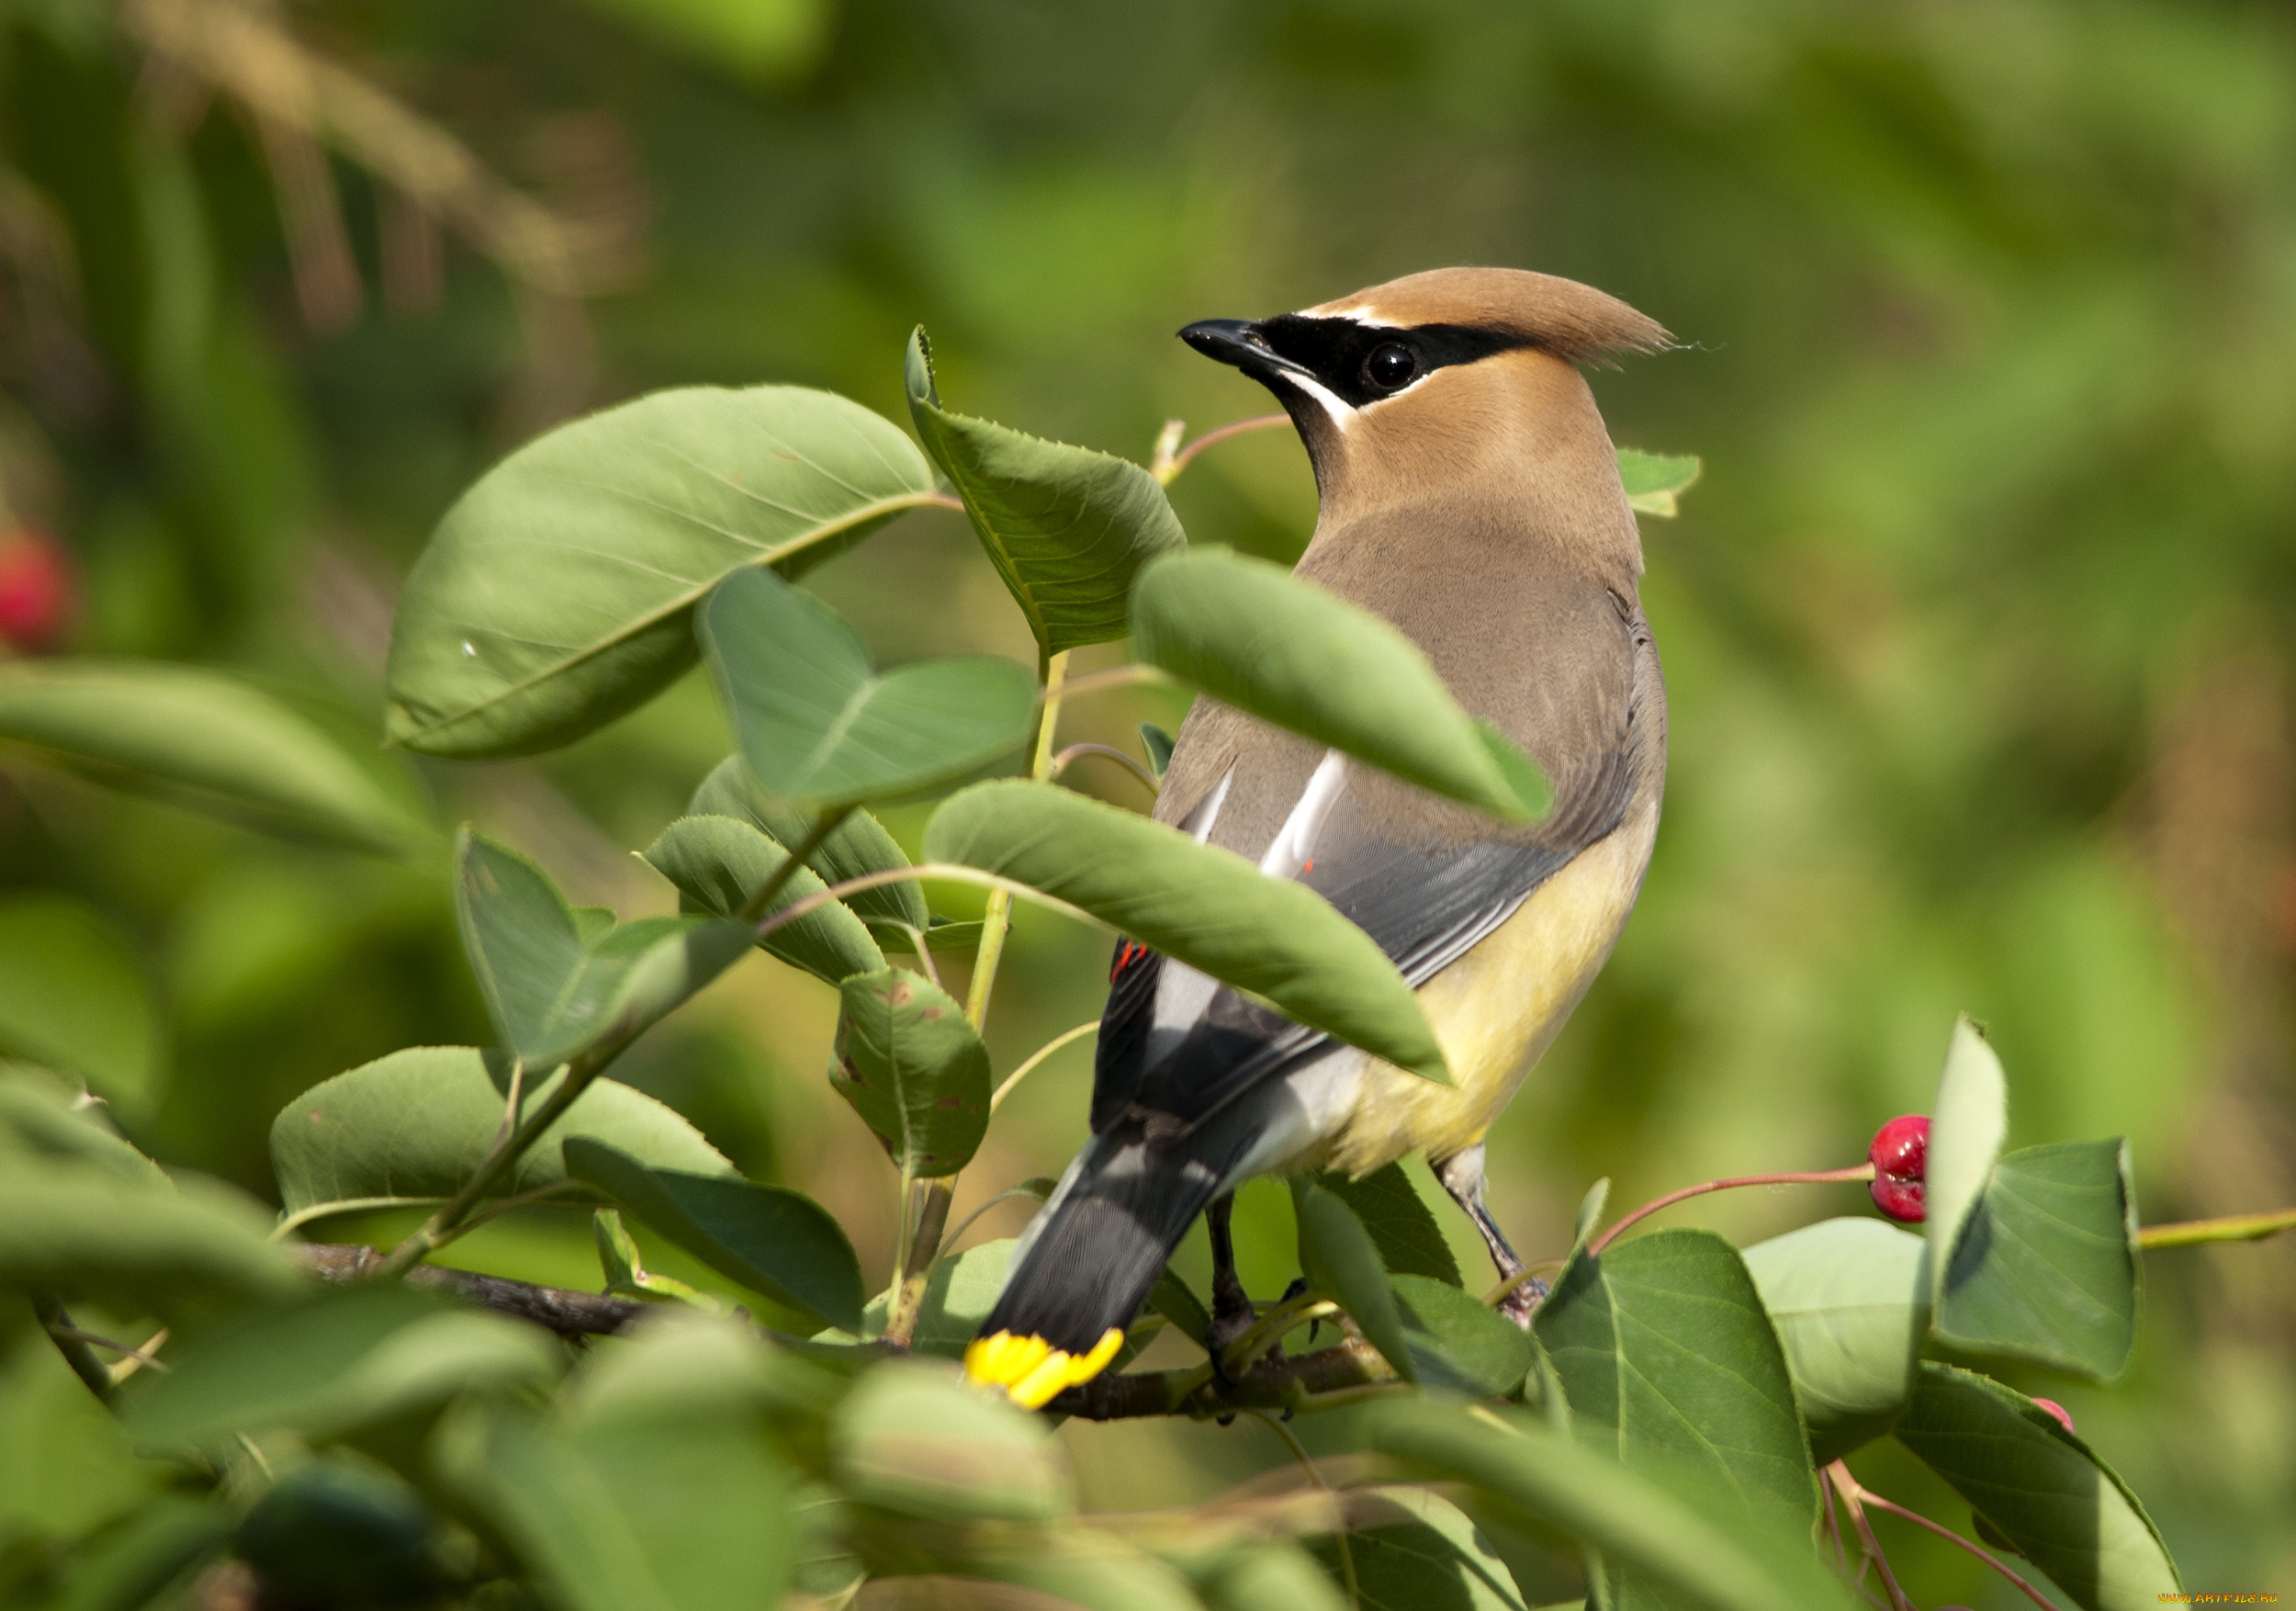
[(1977, 630)]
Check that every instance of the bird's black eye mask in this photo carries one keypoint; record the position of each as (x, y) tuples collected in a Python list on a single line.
[(1361, 364)]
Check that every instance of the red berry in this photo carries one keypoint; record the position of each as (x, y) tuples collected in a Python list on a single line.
[(2065, 1416), (37, 589), (1900, 1155)]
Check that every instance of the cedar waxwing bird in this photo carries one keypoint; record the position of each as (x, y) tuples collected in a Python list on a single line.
[(1469, 493)]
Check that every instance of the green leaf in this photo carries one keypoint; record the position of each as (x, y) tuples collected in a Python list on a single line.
[(130, 1567), (914, 1070), (412, 1127), (1255, 637), (1666, 1356), (1280, 1576), (717, 862), (1415, 1550), (1410, 1241), (1968, 1123), (1066, 527), (66, 1468), (181, 1254), (40, 1119), (552, 994), (780, 1243), (856, 846), (1589, 1219), (1177, 1303), (1666, 1526), (72, 995), (335, 1362), (558, 592), (1340, 1260), (1459, 1342), (821, 727), (669, 1512), (200, 740), (2042, 1487), (911, 1438), (1655, 480), (1158, 743), (1205, 907), (1851, 1301), (960, 1291), (2045, 1267)]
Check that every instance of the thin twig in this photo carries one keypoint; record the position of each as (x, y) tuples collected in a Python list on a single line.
[(1868, 1497), (1029, 1066), (1181, 459), (1300, 1452), (57, 1324), (1077, 752), (1799, 1178), (1269, 1328), (1847, 1486), (132, 1355), (957, 1235), (760, 900), (1115, 677), (2233, 1228)]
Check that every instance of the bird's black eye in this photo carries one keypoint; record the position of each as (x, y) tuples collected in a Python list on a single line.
[(1391, 366)]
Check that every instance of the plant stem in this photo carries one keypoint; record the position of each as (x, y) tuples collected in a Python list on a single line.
[(84, 1365), (1269, 1328), (955, 873), (440, 1227), (1117, 676), (2235, 1228), (1847, 1486), (1800, 1178), (1868, 1497), (932, 1213), (761, 899), (1167, 466), (1077, 752), (1339, 1533), (1040, 1054)]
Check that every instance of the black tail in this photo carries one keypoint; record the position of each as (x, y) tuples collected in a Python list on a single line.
[(1082, 1269)]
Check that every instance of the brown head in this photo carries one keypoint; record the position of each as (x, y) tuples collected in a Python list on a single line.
[(1454, 382)]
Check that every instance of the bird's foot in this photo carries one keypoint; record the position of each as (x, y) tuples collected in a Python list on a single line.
[(1523, 1303)]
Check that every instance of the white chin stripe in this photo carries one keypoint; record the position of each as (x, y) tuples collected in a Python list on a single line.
[(1340, 412)]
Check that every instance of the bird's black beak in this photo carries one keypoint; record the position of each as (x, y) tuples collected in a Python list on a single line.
[(1242, 343)]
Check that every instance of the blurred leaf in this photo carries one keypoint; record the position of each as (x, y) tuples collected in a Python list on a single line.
[(201, 740), (1422, 1555), (1968, 1123), (558, 592), (779, 1242), (1252, 635), (181, 1254), (1459, 1341), (1655, 480), (819, 726), (413, 1126), (332, 1532), (1205, 907), (73, 997), (1667, 1358), (1589, 1218), (1410, 1241), (717, 862), (1690, 1540), (939, 935), (913, 1069), (2045, 1267), (1851, 1301), (673, 1512), (960, 1291), (335, 1362), (1067, 527), (755, 39), (1158, 743), (912, 1437), (40, 1119), (66, 1468), (1340, 1260), (2041, 1487), (553, 996), (857, 845), (1280, 1576), (130, 1567), (1087, 1569)]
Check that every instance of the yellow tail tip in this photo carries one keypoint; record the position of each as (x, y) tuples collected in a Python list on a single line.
[(1032, 1371)]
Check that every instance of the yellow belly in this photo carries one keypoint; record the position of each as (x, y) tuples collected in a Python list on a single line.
[(1496, 1010)]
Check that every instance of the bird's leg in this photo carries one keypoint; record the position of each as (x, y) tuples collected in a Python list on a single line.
[(1462, 1177), (1232, 1313)]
